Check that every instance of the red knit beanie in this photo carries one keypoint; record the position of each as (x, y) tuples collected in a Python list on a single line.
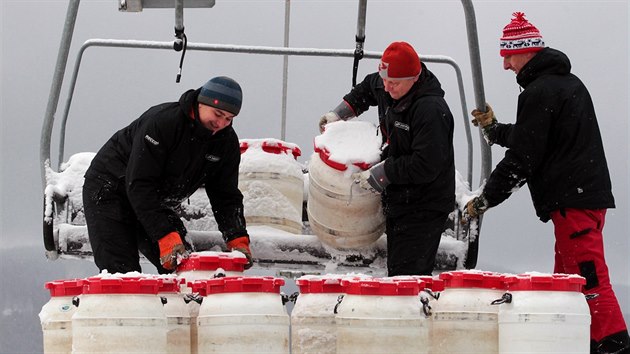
[(399, 61), (520, 36)]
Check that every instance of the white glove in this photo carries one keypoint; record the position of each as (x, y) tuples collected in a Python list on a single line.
[(361, 178), (327, 118)]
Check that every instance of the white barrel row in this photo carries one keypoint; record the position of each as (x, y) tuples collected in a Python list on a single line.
[(476, 312)]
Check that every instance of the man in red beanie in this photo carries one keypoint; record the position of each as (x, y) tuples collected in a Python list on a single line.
[(556, 148), (143, 173), (416, 176)]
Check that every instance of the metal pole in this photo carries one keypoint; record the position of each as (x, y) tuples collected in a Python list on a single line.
[(55, 88), (480, 99), (285, 69)]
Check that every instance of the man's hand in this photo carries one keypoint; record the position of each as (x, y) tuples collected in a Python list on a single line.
[(241, 244), (474, 208), (374, 180), (171, 247), (483, 119), (327, 118)]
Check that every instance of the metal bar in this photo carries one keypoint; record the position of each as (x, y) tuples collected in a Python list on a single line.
[(361, 19), (285, 69), (55, 88), (179, 15), (477, 75), (118, 43)]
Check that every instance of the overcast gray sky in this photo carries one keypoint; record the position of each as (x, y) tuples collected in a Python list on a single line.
[(115, 86)]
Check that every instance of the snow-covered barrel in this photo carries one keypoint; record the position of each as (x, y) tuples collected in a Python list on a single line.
[(242, 315), (544, 313), (204, 266), (56, 315), (381, 316), (272, 183), (464, 317), (313, 317), (340, 213), (178, 338), (119, 315)]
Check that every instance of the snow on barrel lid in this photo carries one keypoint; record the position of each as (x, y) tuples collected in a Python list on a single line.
[(254, 284), (313, 284), (272, 146), (472, 279), (382, 286), (128, 283), (209, 260), (346, 143), (65, 287), (544, 282)]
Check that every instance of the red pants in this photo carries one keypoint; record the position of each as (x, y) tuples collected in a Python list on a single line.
[(580, 250)]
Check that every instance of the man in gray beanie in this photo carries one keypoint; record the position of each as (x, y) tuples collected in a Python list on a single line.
[(144, 171)]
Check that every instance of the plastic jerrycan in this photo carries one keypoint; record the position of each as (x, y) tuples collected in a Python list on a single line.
[(242, 315), (464, 319), (119, 315), (381, 316), (56, 315), (544, 313)]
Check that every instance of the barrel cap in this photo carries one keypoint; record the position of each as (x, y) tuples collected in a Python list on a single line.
[(228, 261), (65, 287), (310, 284), (472, 279), (250, 284), (545, 282), (120, 285), (382, 286)]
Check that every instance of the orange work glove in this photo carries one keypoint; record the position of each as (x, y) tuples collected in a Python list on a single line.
[(171, 247), (241, 244)]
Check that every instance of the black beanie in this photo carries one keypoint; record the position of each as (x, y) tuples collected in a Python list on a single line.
[(223, 93)]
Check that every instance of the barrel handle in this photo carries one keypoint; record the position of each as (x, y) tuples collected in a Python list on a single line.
[(339, 300), (505, 299), (426, 308)]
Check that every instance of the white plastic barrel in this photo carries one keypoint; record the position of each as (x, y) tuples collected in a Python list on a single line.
[(464, 319), (547, 314), (272, 183), (119, 315), (340, 213), (313, 317), (56, 315), (242, 315), (381, 316), (178, 338), (204, 266)]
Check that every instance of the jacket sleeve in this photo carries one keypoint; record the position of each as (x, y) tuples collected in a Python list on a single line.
[(143, 176), (362, 96), (431, 146), (526, 141), (225, 197)]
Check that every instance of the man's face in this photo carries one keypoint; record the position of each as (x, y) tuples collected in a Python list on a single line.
[(397, 88), (214, 119), (516, 62)]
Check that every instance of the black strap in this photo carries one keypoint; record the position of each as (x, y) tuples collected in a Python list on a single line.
[(181, 43), (358, 55)]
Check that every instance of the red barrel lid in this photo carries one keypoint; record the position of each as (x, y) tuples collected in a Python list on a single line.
[(430, 282), (65, 287), (244, 145), (385, 287), (319, 285), (212, 261), (324, 155), (472, 279), (120, 285), (273, 146), (263, 284), (545, 282), (169, 285)]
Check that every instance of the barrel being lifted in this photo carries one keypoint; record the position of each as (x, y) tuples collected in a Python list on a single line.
[(64, 230)]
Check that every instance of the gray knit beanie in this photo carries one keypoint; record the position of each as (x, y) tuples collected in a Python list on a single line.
[(223, 93)]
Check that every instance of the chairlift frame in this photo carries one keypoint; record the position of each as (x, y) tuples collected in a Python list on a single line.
[(207, 240)]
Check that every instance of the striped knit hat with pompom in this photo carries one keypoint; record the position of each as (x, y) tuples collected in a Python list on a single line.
[(520, 36)]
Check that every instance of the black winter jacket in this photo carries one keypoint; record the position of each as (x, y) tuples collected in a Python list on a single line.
[(418, 132), (555, 145), (164, 156)]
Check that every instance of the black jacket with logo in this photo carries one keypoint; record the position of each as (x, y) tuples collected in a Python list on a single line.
[(554, 145), (418, 132), (163, 157)]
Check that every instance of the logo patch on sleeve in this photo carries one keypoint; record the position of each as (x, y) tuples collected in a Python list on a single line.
[(213, 158), (151, 140), (402, 126)]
